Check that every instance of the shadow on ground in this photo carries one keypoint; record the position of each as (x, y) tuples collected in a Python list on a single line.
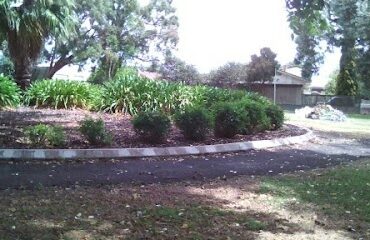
[(232, 209)]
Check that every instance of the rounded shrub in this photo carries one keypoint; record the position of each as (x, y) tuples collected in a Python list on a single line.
[(94, 131), (59, 94), (194, 123), (229, 120), (9, 92), (258, 120), (152, 126), (275, 115), (44, 135)]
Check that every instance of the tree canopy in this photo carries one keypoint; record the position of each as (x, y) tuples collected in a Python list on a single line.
[(175, 69), (228, 75), (24, 25), (262, 68), (332, 23), (120, 30)]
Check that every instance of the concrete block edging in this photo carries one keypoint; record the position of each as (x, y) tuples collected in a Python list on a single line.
[(43, 154)]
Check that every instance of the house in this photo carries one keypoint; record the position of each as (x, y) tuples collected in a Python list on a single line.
[(289, 87)]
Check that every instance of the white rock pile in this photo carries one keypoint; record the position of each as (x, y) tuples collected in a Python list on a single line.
[(322, 112)]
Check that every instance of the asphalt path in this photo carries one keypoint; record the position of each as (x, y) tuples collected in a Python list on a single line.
[(325, 151)]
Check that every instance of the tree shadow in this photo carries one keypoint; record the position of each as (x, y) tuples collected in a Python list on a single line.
[(214, 210)]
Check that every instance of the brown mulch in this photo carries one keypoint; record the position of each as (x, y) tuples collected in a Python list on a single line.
[(13, 122)]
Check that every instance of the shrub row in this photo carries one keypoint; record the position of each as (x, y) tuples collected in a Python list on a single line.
[(226, 120), (195, 123), (61, 94), (94, 132), (129, 93)]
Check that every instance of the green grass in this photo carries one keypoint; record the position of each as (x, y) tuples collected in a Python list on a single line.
[(359, 116), (45, 214), (344, 191), (196, 219), (356, 125)]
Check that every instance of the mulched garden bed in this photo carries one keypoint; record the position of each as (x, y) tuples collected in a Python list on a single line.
[(13, 122)]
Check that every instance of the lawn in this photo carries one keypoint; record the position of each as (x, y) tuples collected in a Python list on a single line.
[(325, 204), (356, 125), (343, 192)]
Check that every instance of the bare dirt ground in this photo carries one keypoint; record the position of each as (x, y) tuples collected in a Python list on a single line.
[(219, 209), (13, 123)]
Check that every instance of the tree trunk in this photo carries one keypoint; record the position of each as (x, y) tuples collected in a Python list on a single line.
[(62, 62), (23, 72)]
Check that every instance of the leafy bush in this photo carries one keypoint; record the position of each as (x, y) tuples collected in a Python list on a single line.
[(9, 92), (229, 120), (152, 126), (44, 135), (130, 93), (258, 120), (194, 123), (275, 115), (94, 131), (60, 94)]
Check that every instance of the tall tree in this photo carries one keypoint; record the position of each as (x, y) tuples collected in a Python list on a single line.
[(177, 70), (6, 65), (228, 75), (262, 68), (309, 26), (119, 29), (24, 25), (338, 23), (344, 18)]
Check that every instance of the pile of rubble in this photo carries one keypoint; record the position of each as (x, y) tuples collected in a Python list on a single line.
[(322, 112)]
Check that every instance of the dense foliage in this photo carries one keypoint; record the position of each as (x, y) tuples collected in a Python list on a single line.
[(95, 133), (194, 123), (152, 126), (9, 92), (61, 94), (118, 31), (230, 120), (176, 70), (130, 93), (275, 116), (229, 74), (338, 23), (257, 116), (25, 25), (262, 68)]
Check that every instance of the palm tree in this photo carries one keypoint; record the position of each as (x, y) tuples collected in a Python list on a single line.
[(25, 25)]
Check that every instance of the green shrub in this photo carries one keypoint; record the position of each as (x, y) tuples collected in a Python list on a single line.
[(229, 120), (194, 123), (152, 126), (94, 131), (60, 94), (258, 120), (9, 93), (275, 115), (130, 93), (44, 135)]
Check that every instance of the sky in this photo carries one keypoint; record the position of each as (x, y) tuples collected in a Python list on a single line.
[(214, 32)]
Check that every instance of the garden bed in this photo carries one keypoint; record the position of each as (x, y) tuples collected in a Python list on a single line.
[(13, 122)]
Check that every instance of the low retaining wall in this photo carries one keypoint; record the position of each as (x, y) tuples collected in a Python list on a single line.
[(40, 154)]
